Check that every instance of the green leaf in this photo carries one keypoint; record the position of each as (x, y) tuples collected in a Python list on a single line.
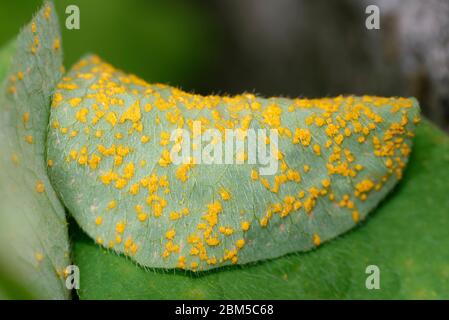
[(406, 237), (339, 157), (6, 52), (34, 247)]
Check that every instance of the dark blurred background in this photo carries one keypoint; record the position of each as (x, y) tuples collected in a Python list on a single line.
[(308, 48)]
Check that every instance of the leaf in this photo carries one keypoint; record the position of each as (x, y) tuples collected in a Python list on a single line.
[(406, 237), (34, 247), (110, 144), (5, 56)]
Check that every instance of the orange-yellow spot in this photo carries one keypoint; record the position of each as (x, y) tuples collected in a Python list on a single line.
[(317, 149), (40, 187), (56, 44), (144, 139), (74, 102), (170, 234), (225, 195), (245, 225), (38, 256), (142, 217), (29, 139), (111, 205), (240, 243), (26, 117), (316, 240), (98, 220), (355, 216), (132, 113), (81, 115), (111, 117), (165, 159), (120, 227)]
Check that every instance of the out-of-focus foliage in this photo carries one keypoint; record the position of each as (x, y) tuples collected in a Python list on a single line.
[(34, 246), (164, 41)]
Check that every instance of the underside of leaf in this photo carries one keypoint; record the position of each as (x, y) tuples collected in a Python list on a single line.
[(408, 242), (110, 149)]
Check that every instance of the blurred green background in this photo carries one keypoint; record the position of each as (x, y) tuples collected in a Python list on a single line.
[(310, 48), (173, 42)]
